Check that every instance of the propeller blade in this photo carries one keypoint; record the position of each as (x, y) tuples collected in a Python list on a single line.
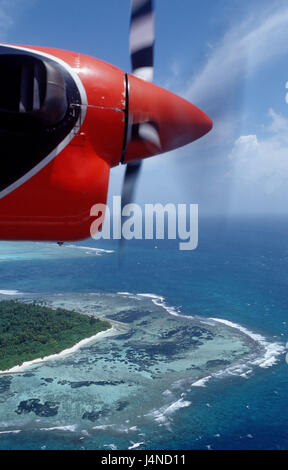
[(142, 38), (130, 181), (129, 186)]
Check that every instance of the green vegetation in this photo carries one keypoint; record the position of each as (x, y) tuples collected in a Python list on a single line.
[(29, 331)]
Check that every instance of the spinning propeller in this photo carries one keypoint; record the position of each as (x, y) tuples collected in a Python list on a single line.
[(142, 39), (167, 121), (158, 120)]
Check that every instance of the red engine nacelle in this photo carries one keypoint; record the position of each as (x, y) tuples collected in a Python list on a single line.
[(65, 119)]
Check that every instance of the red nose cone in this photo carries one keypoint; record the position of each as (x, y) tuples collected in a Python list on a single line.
[(169, 121)]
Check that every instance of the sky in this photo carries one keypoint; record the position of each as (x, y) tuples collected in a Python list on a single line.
[(228, 57)]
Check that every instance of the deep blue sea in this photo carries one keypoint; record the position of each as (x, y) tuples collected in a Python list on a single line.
[(239, 272)]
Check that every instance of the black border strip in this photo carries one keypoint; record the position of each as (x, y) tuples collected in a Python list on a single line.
[(126, 114)]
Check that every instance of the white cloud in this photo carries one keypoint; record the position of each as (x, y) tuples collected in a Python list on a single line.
[(257, 41), (254, 42), (262, 163), (278, 123), (255, 176)]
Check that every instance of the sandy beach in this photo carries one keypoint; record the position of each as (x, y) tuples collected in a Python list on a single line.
[(65, 352)]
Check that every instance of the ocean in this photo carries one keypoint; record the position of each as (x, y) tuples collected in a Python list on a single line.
[(155, 398)]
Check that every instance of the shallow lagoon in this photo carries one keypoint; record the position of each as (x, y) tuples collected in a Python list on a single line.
[(131, 378)]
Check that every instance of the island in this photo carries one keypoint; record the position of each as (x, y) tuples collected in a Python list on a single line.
[(30, 331)]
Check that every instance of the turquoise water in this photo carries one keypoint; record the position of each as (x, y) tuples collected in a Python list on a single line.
[(122, 392)]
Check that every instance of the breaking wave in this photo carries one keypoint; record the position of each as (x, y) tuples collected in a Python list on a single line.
[(269, 357)]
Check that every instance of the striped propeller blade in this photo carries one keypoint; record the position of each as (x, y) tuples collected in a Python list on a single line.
[(142, 38), (131, 176)]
